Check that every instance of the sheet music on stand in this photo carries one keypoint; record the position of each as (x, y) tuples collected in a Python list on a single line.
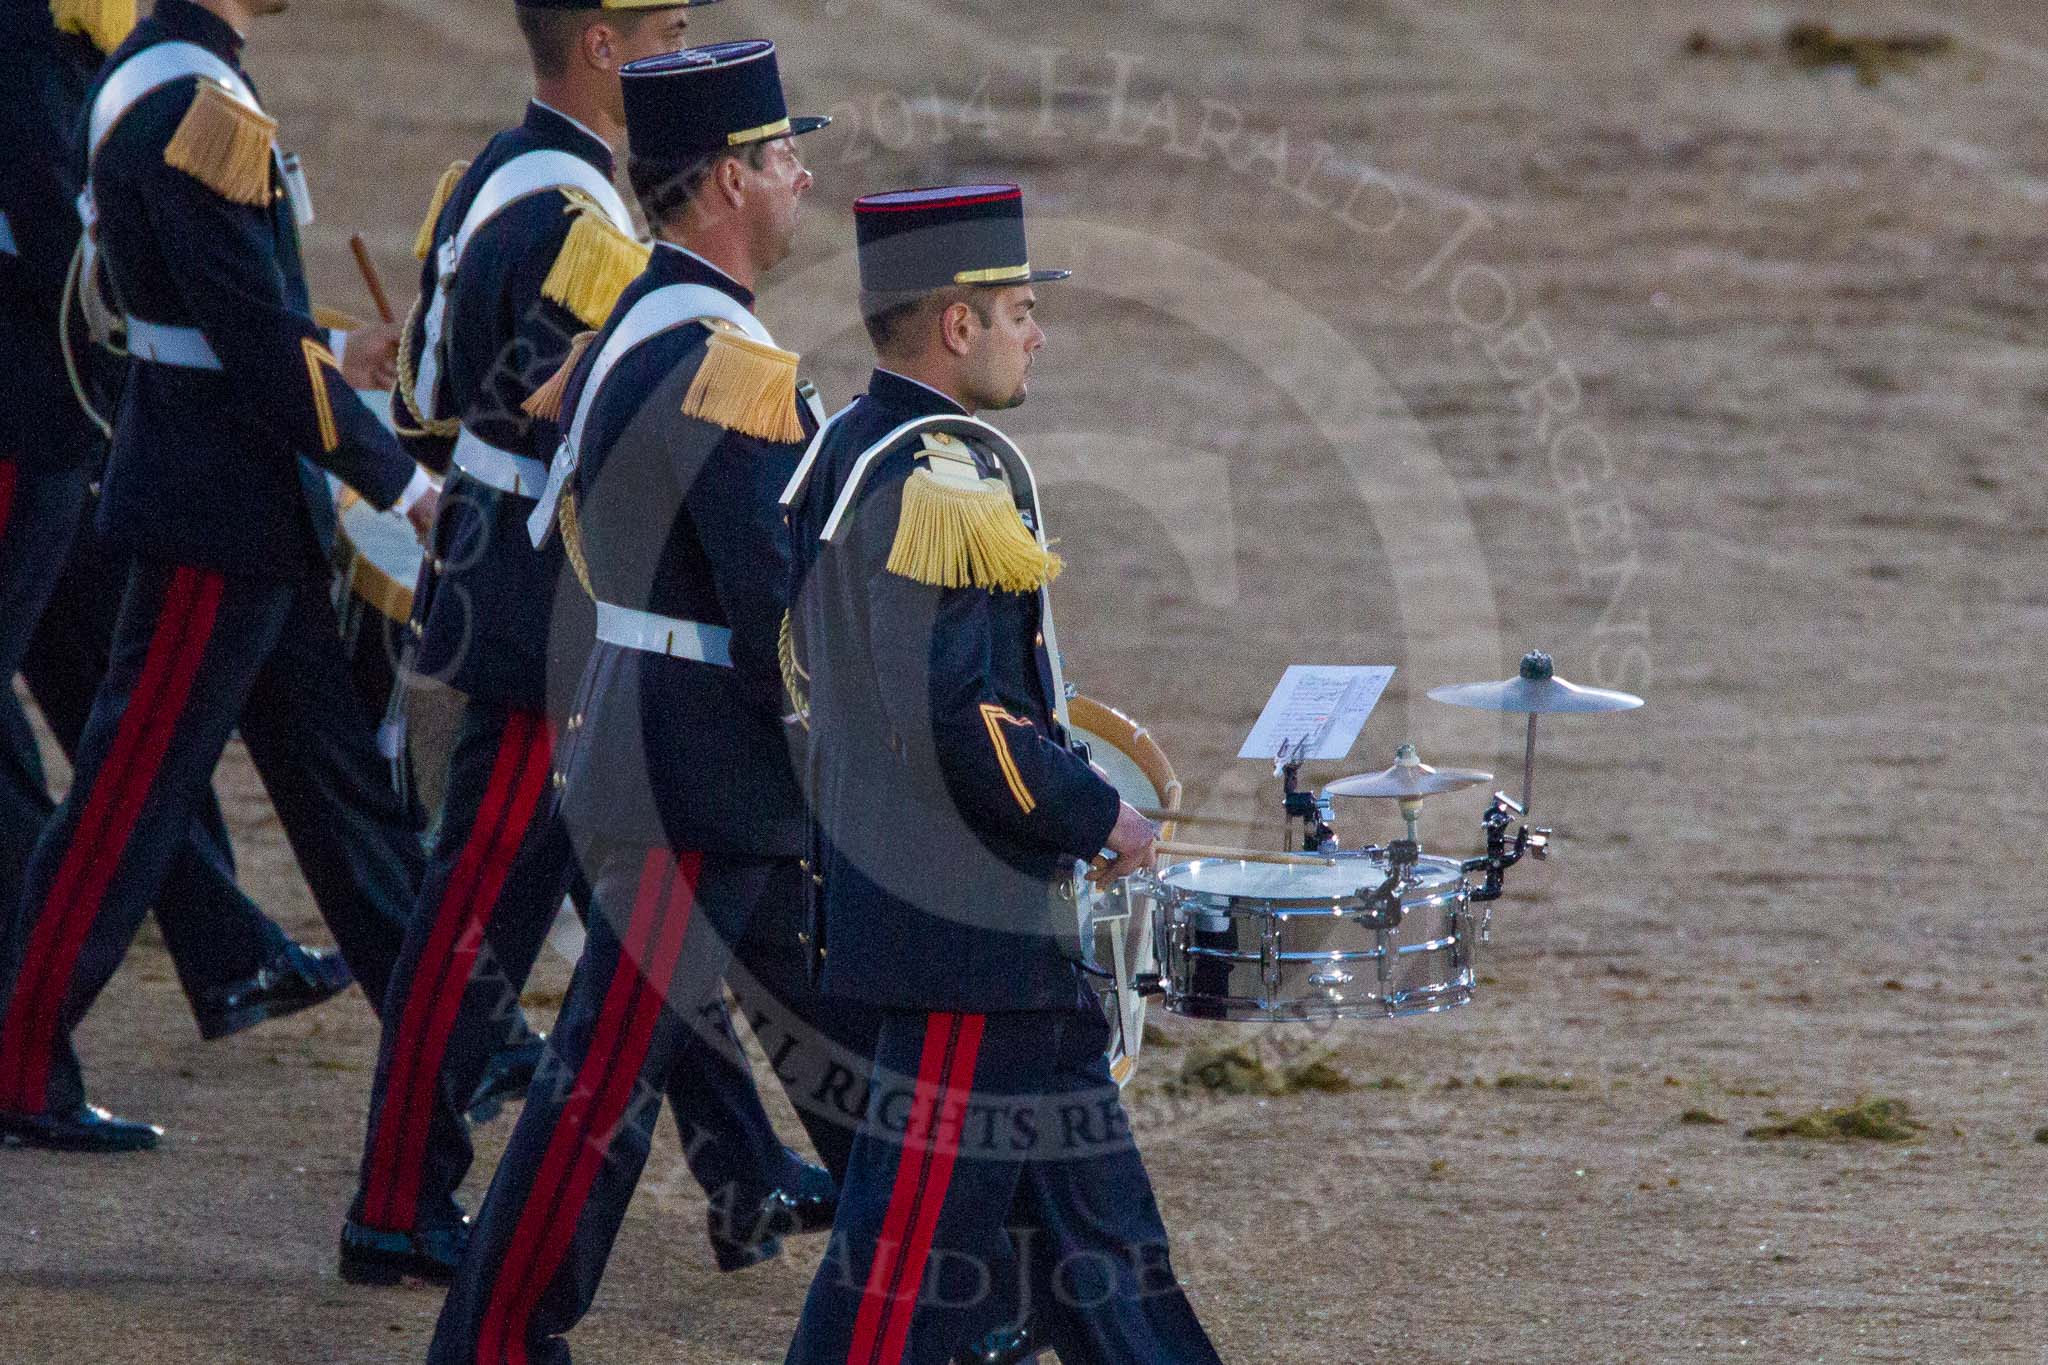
[(1316, 712)]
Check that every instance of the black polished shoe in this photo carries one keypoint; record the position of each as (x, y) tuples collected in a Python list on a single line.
[(291, 979), (506, 1077), (753, 1233), (1004, 1346), (369, 1256), (84, 1129)]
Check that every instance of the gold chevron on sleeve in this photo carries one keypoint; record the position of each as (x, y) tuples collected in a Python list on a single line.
[(323, 405), (995, 718)]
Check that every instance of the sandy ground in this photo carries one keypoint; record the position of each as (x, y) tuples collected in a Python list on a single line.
[(1411, 334)]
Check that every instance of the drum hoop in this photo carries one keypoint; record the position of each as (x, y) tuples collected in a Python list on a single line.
[(367, 582), (1135, 742)]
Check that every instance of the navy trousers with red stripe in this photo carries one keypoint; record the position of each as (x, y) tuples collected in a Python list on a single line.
[(493, 885), (198, 655), (663, 928), (995, 1183), (60, 593)]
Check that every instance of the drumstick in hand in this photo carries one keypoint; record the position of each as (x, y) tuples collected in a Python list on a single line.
[(372, 279)]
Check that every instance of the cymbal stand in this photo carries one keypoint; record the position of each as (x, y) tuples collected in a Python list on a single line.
[(1503, 853)]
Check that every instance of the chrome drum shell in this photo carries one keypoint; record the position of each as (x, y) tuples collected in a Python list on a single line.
[(1272, 943)]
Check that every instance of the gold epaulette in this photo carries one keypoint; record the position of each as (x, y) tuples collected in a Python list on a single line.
[(960, 530), (545, 402), (596, 263), (746, 386), (225, 145), (423, 244), (105, 22), (334, 320)]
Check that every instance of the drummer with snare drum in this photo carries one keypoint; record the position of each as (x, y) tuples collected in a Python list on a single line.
[(952, 815)]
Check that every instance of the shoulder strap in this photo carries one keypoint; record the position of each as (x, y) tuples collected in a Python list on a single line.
[(526, 174), (793, 491), (655, 312), (1023, 485), (530, 173), (150, 70)]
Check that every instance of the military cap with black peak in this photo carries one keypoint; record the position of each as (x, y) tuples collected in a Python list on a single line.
[(688, 104), (913, 241)]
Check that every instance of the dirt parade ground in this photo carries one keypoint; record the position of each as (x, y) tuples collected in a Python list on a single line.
[(1404, 333)]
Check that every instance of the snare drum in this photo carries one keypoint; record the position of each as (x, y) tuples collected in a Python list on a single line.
[(1142, 775), (1272, 942)]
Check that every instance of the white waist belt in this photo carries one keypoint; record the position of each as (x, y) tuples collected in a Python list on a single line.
[(185, 347), (665, 635), (499, 469)]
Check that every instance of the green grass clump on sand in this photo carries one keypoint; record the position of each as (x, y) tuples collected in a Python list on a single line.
[(1240, 1070), (1867, 1120), (1701, 1116)]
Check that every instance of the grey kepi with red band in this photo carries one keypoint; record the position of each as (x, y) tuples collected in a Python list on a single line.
[(914, 241)]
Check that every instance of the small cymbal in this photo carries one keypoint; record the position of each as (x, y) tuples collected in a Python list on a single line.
[(1537, 691), (1408, 781)]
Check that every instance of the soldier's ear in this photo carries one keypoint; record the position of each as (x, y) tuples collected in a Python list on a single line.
[(601, 47), (958, 327)]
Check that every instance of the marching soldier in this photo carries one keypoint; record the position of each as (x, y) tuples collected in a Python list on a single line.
[(226, 623), (952, 816), (59, 592), (524, 248), (683, 420)]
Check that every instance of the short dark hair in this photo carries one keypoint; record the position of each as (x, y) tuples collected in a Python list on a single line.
[(666, 188), (552, 34), (891, 315)]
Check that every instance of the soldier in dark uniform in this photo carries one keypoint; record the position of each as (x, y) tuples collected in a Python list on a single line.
[(59, 591), (683, 421), (227, 624), (953, 814), (524, 248)]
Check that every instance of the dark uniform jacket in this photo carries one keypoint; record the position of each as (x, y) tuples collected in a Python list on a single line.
[(43, 79), (680, 518), (951, 808), (485, 613), (206, 466)]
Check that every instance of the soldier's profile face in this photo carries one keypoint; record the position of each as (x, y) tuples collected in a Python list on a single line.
[(999, 362), (654, 33), (775, 193)]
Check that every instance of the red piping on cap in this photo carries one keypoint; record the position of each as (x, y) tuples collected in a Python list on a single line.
[(877, 204)]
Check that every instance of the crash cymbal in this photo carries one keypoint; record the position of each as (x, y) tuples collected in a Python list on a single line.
[(1537, 691), (1408, 780)]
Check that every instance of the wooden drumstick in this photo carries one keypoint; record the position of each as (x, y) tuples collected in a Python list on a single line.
[(1188, 817), (1242, 855), (372, 279)]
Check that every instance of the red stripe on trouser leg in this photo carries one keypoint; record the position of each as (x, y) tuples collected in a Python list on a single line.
[(176, 648), (405, 1117), (10, 473), (913, 1166), (949, 1115), (612, 1104), (502, 1338)]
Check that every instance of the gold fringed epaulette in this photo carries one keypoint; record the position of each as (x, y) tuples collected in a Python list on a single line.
[(225, 145), (423, 244), (334, 320), (596, 263), (571, 527), (793, 675), (959, 530), (746, 387), (105, 22), (545, 402)]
